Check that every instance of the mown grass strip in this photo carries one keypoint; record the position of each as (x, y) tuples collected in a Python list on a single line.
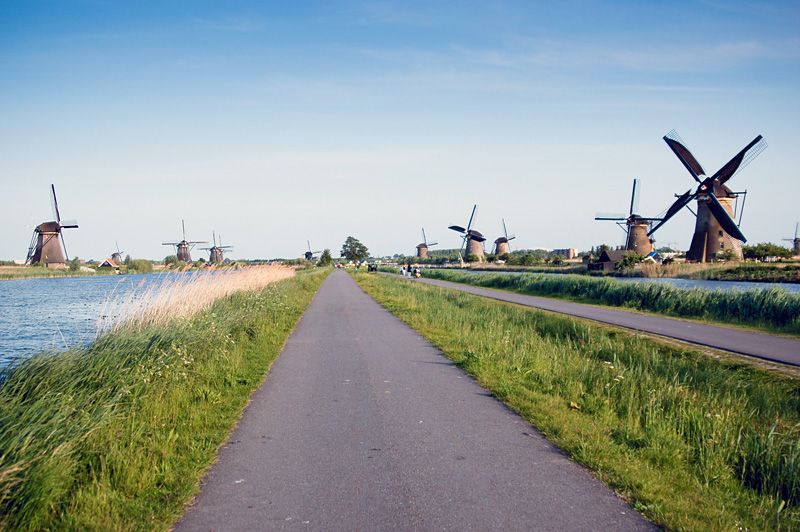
[(117, 436), (693, 443), (772, 309)]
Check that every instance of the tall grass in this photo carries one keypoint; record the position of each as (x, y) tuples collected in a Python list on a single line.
[(694, 443), (772, 308), (117, 435)]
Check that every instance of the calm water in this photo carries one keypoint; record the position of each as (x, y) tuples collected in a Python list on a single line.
[(41, 314)]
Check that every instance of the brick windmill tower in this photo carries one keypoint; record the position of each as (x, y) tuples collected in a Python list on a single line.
[(47, 244)]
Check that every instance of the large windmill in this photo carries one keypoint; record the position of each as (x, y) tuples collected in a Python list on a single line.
[(310, 255), (422, 249), (216, 252), (183, 247), (715, 230), (635, 226), (501, 244), (472, 239), (47, 244), (796, 240)]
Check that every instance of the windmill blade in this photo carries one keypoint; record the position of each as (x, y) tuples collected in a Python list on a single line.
[(54, 203), (609, 216), (64, 245), (424, 239), (634, 198), (69, 224), (477, 237), (512, 237), (724, 219), (679, 204), (676, 144), (469, 225), (742, 159), (505, 232), (796, 227), (431, 244), (457, 228)]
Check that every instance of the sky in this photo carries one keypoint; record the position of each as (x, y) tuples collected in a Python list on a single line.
[(272, 124)]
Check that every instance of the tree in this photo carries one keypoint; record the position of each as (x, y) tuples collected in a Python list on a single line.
[(354, 250), (170, 259), (764, 250), (325, 259), (74, 265), (629, 260)]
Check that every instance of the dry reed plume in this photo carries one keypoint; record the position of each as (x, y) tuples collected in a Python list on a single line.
[(180, 295)]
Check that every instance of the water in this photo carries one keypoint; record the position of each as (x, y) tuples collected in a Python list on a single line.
[(42, 314)]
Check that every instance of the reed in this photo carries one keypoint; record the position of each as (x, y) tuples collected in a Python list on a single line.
[(694, 443), (773, 309), (116, 436)]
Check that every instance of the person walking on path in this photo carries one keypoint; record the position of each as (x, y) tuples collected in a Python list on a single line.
[(364, 425)]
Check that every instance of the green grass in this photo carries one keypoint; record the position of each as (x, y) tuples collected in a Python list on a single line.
[(10, 273), (117, 436), (772, 309), (693, 443)]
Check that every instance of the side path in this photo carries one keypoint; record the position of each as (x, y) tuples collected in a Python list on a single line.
[(363, 425), (765, 346)]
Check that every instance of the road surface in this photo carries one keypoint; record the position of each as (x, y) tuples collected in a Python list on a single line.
[(362, 425)]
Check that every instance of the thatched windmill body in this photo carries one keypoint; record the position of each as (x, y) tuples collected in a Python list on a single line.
[(501, 244), (422, 249), (796, 240), (471, 239), (183, 248), (216, 253), (47, 244), (636, 227), (310, 255), (715, 229)]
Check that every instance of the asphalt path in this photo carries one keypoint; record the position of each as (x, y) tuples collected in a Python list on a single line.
[(362, 425), (763, 346)]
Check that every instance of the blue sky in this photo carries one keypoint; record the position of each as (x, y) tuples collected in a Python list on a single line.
[(274, 123)]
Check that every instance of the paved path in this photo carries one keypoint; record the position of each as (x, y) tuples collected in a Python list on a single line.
[(764, 346), (362, 425)]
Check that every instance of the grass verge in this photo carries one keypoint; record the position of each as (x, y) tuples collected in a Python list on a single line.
[(695, 444), (118, 435), (770, 310)]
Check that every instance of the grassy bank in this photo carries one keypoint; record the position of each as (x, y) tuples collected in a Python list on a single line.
[(773, 310), (693, 443), (10, 273), (760, 273), (117, 436)]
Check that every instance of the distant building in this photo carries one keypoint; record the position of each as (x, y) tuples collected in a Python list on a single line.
[(608, 260), (568, 253)]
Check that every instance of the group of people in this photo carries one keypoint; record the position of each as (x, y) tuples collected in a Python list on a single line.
[(408, 272)]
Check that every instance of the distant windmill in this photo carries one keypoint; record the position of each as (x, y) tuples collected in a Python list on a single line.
[(183, 247), (117, 255), (311, 254), (216, 252), (422, 249), (47, 242), (501, 244), (472, 239), (795, 241), (715, 229), (635, 226)]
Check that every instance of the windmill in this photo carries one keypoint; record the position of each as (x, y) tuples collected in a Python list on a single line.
[(635, 226), (47, 241), (311, 254), (117, 255), (715, 229), (472, 239), (501, 244), (216, 252), (422, 249), (796, 240), (183, 247)]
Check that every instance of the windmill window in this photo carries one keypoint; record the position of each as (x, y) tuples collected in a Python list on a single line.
[(720, 232)]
